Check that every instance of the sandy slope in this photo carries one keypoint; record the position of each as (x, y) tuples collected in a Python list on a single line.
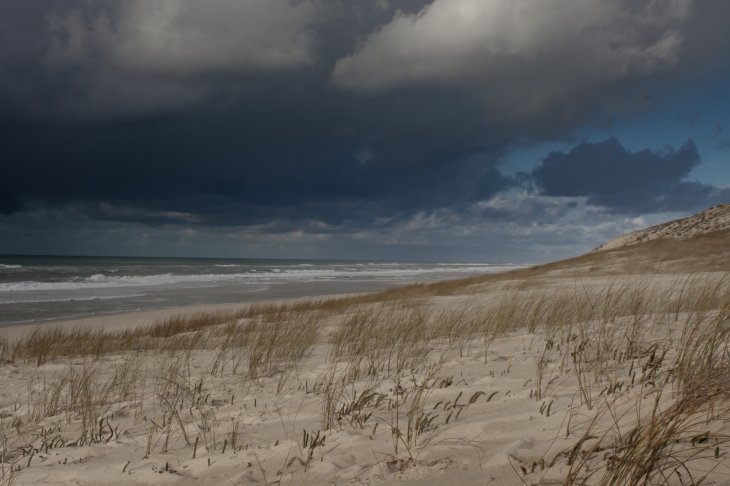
[(479, 444), (483, 444), (484, 441), (716, 218), (485, 421)]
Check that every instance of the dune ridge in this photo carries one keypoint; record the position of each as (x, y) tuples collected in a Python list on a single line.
[(585, 371), (716, 218)]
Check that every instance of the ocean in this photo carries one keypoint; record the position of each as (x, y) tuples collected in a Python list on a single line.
[(47, 288)]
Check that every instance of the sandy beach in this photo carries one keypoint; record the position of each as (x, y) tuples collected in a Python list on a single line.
[(469, 382), (124, 320), (559, 374)]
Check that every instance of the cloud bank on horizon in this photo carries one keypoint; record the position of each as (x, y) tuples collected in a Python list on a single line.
[(365, 129)]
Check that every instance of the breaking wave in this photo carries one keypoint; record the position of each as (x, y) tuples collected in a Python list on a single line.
[(275, 275)]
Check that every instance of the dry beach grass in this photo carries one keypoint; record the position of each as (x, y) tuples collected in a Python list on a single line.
[(552, 375)]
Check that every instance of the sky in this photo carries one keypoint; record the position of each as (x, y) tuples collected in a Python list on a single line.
[(433, 130)]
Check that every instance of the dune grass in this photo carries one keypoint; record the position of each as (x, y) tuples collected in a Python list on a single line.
[(650, 344)]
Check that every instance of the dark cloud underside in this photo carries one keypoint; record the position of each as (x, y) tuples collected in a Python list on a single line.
[(345, 116), (610, 175)]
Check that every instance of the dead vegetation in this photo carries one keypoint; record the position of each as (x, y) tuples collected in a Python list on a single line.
[(708, 252), (645, 360)]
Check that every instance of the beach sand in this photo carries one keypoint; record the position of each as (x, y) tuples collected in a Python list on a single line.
[(526, 378)]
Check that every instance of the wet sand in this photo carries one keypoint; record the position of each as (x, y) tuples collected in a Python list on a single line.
[(231, 297)]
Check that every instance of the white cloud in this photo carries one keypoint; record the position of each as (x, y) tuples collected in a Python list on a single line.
[(139, 57), (524, 54), (186, 37)]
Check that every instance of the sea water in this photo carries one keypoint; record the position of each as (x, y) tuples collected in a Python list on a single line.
[(36, 288)]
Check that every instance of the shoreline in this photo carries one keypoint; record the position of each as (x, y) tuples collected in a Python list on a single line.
[(68, 289), (278, 293), (252, 395), (143, 317)]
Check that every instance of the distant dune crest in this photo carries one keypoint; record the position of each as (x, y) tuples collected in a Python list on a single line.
[(716, 218)]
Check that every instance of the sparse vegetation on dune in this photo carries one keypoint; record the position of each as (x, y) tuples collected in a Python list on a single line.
[(632, 374), (708, 252)]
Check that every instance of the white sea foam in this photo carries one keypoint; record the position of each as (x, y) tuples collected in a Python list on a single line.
[(68, 299), (10, 266), (276, 275)]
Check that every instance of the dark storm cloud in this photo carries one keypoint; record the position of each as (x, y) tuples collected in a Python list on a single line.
[(548, 66), (626, 182), (247, 112), (9, 202), (101, 61), (253, 167), (158, 134)]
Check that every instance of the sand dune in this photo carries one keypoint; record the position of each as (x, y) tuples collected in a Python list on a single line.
[(557, 374), (716, 218)]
